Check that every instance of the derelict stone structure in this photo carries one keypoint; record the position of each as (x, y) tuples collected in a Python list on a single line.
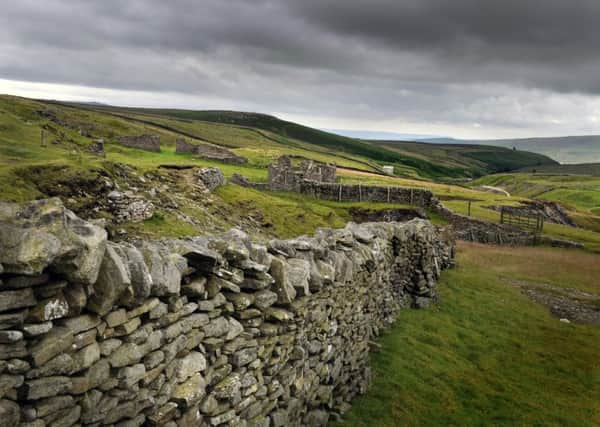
[(209, 152), (97, 148), (142, 142), (283, 176), (214, 330)]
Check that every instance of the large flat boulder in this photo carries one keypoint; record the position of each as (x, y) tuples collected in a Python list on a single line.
[(43, 233)]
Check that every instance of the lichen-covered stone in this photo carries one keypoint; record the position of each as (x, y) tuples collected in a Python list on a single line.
[(41, 233), (58, 340), (49, 309), (10, 413), (283, 288), (113, 279), (11, 300), (190, 392), (45, 387)]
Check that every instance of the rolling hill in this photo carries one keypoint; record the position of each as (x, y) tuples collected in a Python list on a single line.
[(470, 160), (566, 149), (423, 162)]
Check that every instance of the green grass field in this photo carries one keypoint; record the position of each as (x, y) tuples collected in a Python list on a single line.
[(464, 160), (578, 193), (487, 355)]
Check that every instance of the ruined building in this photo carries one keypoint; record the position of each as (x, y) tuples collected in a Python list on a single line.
[(209, 152), (284, 176), (142, 142)]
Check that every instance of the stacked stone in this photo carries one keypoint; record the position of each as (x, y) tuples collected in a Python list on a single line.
[(142, 142), (204, 331), (97, 148), (209, 152), (128, 206), (211, 178), (283, 177)]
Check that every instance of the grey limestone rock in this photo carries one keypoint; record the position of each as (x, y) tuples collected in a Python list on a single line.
[(113, 279), (41, 233)]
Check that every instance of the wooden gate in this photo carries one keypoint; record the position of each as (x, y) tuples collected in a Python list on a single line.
[(528, 221)]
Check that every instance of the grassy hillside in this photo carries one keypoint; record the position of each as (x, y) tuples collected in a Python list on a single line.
[(487, 354), (592, 169), (566, 149), (29, 171), (424, 163), (455, 197), (465, 159), (578, 192)]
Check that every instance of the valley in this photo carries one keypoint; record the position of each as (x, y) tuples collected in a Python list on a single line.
[(490, 350)]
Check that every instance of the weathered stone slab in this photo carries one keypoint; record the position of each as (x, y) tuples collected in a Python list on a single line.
[(80, 323), (53, 404), (190, 392), (45, 387), (58, 340), (14, 319), (49, 309), (10, 413), (9, 337), (35, 329), (42, 232), (18, 282), (12, 300), (114, 277), (282, 286)]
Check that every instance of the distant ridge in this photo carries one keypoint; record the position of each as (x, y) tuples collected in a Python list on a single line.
[(564, 149), (381, 135)]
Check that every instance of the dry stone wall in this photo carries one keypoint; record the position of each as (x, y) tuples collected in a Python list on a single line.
[(368, 193), (465, 227), (142, 142), (204, 331)]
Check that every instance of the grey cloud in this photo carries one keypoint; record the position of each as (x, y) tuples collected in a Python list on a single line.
[(416, 59)]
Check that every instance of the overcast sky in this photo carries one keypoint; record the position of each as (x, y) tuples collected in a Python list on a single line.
[(463, 68)]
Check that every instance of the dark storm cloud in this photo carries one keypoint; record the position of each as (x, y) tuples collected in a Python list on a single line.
[(420, 58)]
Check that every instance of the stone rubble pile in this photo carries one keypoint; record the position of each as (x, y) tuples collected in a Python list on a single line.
[(215, 330), (128, 206), (211, 178)]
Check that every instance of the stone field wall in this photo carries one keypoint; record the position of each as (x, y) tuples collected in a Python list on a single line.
[(212, 330), (465, 227), (368, 193)]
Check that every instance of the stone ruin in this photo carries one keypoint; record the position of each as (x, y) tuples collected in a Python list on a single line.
[(212, 178), (215, 330), (143, 142), (283, 176), (129, 206), (209, 152), (97, 148)]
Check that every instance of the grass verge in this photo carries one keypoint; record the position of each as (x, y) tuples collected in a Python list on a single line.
[(487, 355)]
